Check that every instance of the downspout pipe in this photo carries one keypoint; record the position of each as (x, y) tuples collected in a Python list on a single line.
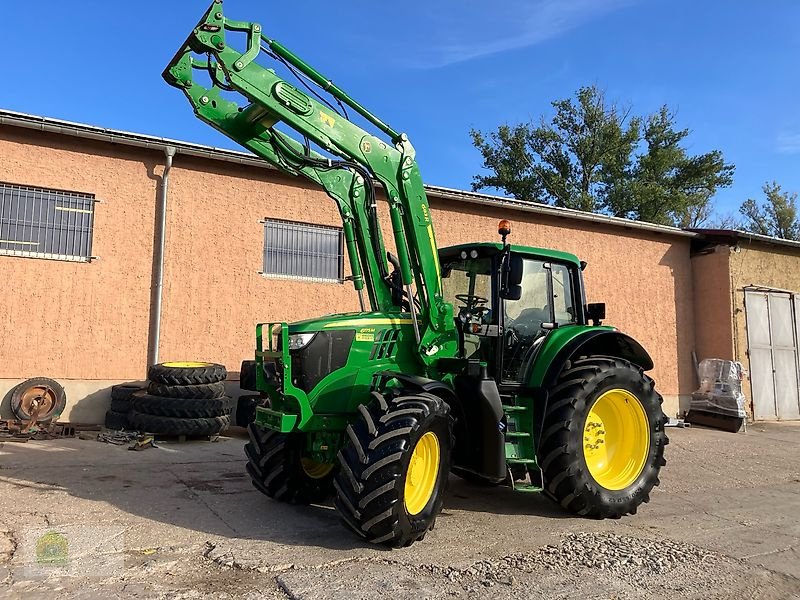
[(158, 259)]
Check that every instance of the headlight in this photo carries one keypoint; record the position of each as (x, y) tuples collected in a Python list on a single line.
[(300, 340)]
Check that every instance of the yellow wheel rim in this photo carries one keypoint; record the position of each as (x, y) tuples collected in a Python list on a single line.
[(185, 364), (616, 439), (314, 469), (423, 470)]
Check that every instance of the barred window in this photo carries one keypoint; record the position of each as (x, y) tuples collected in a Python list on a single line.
[(303, 251), (45, 223)]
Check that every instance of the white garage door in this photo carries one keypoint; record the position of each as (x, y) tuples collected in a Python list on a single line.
[(772, 319)]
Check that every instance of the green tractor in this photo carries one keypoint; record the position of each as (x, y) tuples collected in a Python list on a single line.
[(480, 359)]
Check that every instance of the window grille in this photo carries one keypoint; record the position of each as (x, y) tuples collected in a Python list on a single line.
[(303, 251), (45, 223)]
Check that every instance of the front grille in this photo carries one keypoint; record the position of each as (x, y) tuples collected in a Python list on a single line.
[(327, 352)]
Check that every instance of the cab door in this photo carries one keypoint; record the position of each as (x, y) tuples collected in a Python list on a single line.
[(545, 301)]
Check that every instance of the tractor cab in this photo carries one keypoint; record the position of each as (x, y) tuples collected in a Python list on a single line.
[(507, 299)]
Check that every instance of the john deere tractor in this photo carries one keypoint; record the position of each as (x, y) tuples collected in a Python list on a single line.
[(481, 359)]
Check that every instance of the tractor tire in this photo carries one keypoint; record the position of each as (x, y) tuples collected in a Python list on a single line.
[(586, 469), (116, 420), (277, 468), (123, 391), (192, 392), (393, 471), (42, 392), (186, 373), (182, 408), (121, 406), (176, 426), (121, 396)]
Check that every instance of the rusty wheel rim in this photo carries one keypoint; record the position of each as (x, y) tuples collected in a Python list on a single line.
[(40, 399)]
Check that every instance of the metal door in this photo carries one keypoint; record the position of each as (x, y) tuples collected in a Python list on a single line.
[(772, 347)]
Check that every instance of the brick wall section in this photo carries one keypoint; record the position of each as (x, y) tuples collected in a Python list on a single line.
[(91, 321)]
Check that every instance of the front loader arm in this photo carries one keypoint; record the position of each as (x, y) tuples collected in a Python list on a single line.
[(271, 100)]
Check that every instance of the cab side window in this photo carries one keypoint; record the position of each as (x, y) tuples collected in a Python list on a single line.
[(563, 298)]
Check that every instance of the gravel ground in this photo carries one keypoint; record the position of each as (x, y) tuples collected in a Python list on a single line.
[(182, 521)]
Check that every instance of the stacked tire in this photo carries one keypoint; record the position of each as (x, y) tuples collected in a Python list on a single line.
[(121, 397), (186, 398)]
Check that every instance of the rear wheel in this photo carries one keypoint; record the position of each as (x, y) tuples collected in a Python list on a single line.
[(603, 440), (277, 467), (394, 468)]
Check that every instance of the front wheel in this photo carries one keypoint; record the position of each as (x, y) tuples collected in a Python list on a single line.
[(278, 468), (603, 439), (394, 468)]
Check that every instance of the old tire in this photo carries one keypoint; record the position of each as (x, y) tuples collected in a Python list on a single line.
[(182, 408), (42, 392), (116, 420), (196, 391), (278, 469), (121, 396), (123, 391), (186, 373), (176, 426), (603, 439), (393, 470)]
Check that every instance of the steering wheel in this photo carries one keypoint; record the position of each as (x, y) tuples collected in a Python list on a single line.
[(473, 307), (472, 302)]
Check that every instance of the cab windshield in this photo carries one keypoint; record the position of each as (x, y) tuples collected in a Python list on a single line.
[(469, 282)]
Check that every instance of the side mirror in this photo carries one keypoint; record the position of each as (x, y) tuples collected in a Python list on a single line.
[(596, 312), (511, 277), (511, 293)]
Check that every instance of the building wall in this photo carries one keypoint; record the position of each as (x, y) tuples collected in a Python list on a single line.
[(90, 322), (713, 304), (78, 320)]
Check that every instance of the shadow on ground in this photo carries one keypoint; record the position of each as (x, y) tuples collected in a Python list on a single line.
[(200, 488)]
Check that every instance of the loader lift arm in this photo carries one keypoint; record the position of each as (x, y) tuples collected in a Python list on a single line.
[(349, 181)]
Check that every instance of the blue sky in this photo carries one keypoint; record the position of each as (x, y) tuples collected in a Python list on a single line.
[(435, 69)]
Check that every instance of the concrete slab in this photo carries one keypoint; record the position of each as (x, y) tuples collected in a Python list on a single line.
[(194, 527)]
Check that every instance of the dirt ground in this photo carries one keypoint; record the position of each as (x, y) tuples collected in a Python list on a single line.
[(84, 519)]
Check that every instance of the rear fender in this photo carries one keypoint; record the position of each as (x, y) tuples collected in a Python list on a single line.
[(593, 342), (573, 343)]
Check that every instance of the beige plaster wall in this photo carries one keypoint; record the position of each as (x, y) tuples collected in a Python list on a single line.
[(90, 321)]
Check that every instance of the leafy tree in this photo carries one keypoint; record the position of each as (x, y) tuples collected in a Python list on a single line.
[(776, 216), (593, 156), (564, 162), (666, 185)]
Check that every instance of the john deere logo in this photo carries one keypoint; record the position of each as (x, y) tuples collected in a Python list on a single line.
[(52, 549)]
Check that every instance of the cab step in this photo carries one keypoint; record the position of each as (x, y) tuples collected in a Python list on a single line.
[(527, 487)]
